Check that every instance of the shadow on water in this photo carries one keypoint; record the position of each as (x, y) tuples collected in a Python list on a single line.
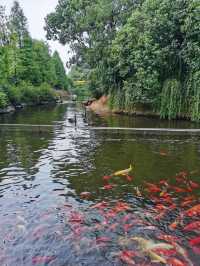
[(51, 179)]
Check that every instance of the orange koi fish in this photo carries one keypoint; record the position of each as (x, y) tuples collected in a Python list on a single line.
[(175, 262), (100, 205), (178, 189), (121, 206), (152, 187), (193, 211)]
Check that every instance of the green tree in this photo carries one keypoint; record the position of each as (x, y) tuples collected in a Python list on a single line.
[(61, 81), (18, 23)]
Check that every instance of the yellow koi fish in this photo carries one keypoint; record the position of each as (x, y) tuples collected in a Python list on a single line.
[(123, 172), (147, 246)]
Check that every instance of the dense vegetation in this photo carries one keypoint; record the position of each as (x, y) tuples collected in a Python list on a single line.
[(80, 86), (136, 51), (28, 71)]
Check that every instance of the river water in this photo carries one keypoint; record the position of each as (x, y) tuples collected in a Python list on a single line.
[(58, 208)]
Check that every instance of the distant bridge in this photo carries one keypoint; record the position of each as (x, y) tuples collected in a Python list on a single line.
[(80, 82)]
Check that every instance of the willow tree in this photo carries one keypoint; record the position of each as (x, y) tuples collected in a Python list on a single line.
[(156, 58)]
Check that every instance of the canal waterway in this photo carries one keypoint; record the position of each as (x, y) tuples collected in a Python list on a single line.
[(61, 204)]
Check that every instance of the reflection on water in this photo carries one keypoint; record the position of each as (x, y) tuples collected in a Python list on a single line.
[(44, 220)]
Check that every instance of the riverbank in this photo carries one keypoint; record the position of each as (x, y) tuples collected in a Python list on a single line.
[(58, 96), (101, 106)]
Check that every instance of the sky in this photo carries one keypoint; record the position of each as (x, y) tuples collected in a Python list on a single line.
[(36, 11)]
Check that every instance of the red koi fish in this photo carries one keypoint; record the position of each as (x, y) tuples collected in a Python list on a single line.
[(108, 187), (129, 178), (121, 206), (178, 189), (42, 259), (160, 207), (175, 262), (196, 250), (152, 187), (100, 205), (164, 194), (194, 241), (126, 256), (193, 185), (164, 183), (168, 238), (102, 239), (76, 217), (165, 252), (106, 177), (193, 211), (127, 227), (192, 226)]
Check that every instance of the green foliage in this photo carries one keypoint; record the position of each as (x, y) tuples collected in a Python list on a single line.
[(27, 93), (138, 52), (81, 90), (171, 99), (3, 99), (61, 81), (28, 71)]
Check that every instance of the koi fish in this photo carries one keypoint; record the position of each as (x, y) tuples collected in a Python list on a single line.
[(103, 239), (76, 218), (129, 178), (148, 247), (192, 226), (100, 205), (165, 252), (193, 184), (196, 250), (42, 259), (106, 177), (164, 183), (127, 227), (178, 189), (152, 187), (194, 241), (123, 172), (183, 253), (175, 262), (168, 238), (193, 211), (126, 256), (121, 206), (174, 225), (108, 187)]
